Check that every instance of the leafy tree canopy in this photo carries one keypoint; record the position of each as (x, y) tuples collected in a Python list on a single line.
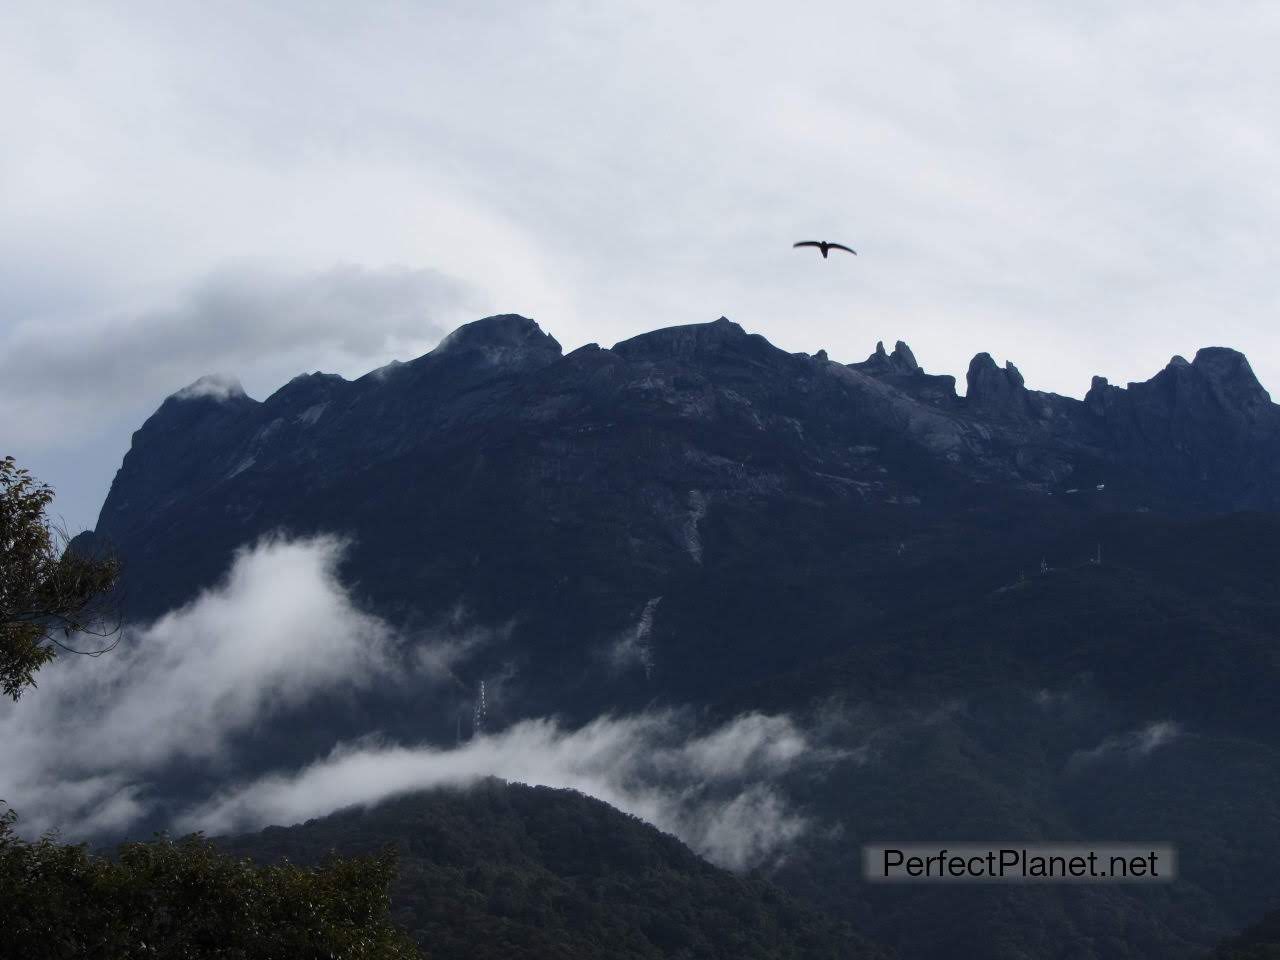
[(45, 588), (185, 899)]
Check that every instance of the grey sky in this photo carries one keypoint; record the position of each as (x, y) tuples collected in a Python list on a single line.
[(262, 189)]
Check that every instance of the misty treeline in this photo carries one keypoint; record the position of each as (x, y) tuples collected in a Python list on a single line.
[(164, 899)]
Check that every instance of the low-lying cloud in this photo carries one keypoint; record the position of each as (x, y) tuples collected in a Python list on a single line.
[(78, 751), (633, 648), (1133, 745), (89, 751), (716, 791)]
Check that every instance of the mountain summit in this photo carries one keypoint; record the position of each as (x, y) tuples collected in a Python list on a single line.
[(504, 339)]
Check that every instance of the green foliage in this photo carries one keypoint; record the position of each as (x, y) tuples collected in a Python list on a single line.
[(167, 900), (44, 587)]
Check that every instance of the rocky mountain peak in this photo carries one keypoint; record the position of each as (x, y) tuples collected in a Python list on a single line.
[(997, 390), (1102, 396), (904, 358), (901, 361), (307, 388), (695, 340), (503, 339), (1218, 381), (1233, 379), (216, 386), (212, 398)]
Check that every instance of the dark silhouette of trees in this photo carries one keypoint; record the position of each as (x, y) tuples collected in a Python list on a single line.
[(168, 899), (47, 591)]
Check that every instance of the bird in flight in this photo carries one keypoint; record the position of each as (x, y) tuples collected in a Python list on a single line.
[(824, 246)]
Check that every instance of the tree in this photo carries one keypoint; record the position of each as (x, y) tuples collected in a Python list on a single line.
[(45, 587), (186, 900)]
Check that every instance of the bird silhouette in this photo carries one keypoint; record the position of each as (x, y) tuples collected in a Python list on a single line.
[(824, 246)]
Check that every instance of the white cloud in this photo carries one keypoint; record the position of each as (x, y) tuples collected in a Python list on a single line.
[(78, 751), (717, 791), (87, 752), (1133, 745), (217, 385), (64, 379), (453, 642), (633, 647)]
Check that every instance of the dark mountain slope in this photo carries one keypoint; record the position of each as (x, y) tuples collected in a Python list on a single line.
[(1117, 701), (1180, 616), (505, 870), (1261, 941)]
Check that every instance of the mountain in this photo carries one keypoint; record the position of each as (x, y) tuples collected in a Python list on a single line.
[(1008, 613), (506, 870), (496, 433)]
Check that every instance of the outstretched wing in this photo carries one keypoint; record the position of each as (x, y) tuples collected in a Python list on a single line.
[(841, 246), (807, 243)]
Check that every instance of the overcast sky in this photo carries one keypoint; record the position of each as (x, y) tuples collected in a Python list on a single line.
[(261, 189)]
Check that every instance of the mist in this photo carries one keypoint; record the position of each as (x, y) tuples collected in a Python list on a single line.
[(714, 790), (83, 753)]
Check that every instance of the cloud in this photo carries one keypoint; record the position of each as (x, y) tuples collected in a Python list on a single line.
[(997, 164), (95, 748), (217, 385), (79, 751), (633, 648), (259, 323), (718, 791), (440, 657), (1132, 745)]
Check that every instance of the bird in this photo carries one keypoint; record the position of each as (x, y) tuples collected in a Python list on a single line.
[(824, 246)]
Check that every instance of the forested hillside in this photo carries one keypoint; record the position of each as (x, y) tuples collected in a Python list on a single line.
[(506, 870)]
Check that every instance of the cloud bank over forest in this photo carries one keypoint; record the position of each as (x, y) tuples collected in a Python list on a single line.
[(714, 790), (89, 750)]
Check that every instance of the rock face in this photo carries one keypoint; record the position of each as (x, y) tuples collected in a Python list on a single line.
[(901, 361), (507, 340), (996, 392), (1208, 423)]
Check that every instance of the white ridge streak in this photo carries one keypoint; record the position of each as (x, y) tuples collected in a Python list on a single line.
[(643, 646)]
